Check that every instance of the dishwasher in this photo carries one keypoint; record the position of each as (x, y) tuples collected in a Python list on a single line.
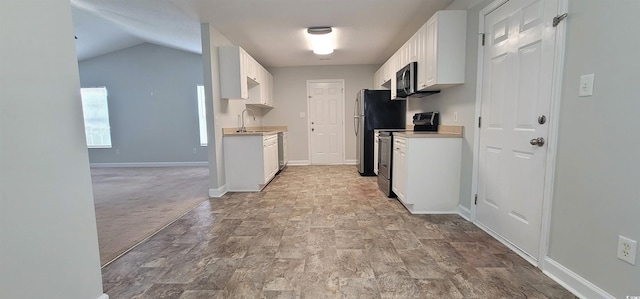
[(283, 156)]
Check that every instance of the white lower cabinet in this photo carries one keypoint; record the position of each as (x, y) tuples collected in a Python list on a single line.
[(399, 168), (251, 161), (270, 145), (376, 134), (426, 174)]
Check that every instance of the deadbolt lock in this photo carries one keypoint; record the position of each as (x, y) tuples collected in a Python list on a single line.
[(542, 119)]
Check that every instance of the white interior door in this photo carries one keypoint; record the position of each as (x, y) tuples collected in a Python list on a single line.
[(326, 122), (516, 94)]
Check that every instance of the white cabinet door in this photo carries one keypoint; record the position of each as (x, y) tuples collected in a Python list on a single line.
[(375, 152), (270, 144), (421, 40), (402, 159), (393, 68), (445, 47), (232, 61), (431, 49), (399, 167), (265, 158)]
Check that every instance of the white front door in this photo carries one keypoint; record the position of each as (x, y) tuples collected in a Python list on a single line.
[(516, 96), (326, 121)]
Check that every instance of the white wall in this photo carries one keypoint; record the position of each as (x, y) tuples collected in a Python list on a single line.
[(290, 84), (48, 237), (221, 113), (598, 163)]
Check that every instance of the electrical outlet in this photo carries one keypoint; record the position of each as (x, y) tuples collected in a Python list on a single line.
[(627, 249), (195, 150), (455, 117), (117, 151)]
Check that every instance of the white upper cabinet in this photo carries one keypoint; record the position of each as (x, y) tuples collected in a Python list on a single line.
[(243, 78), (438, 47), (233, 66), (444, 53)]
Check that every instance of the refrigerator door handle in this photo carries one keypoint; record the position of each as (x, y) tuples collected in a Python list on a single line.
[(356, 118)]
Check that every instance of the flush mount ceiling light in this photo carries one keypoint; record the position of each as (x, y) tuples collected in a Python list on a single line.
[(321, 40)]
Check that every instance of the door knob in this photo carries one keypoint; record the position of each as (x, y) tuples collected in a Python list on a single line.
[(542, 119), (312, 129), (537, 141)]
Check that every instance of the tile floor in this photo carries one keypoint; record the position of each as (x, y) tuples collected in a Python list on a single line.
[(322, 232)]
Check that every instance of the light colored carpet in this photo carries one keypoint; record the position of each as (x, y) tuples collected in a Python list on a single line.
[(133, 203)]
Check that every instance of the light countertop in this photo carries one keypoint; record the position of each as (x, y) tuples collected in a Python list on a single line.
[(443, 132), (254, 131)]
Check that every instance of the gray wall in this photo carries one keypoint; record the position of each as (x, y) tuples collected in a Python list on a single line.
[(598, 163), (153, 104), (290, 85), (48, 237)]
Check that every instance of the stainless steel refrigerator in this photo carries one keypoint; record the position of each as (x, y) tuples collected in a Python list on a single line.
[(373, 110)]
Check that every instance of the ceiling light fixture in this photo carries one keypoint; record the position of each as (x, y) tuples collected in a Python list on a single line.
[(321, 40)]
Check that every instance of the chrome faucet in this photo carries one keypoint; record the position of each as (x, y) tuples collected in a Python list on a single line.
[(243, 128)]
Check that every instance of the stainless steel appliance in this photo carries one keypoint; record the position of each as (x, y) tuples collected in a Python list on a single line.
[(283, 157), (374, 109), (407, 82), (385, 160), (426, 121)]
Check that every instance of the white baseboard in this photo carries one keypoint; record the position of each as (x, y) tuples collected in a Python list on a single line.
[(350, 162), (572, 281), (298, 162), (433, 212), (464, 212), (104, 296), (149, 164), (217, 193)]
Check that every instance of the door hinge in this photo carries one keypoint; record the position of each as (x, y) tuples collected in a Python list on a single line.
[(558, 19), (479, 121), (475, 201), (483, 35)]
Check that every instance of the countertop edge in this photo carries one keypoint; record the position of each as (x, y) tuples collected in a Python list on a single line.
[(265, 130), (426, 135)]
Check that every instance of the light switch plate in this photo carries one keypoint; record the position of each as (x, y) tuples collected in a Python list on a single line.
[(302, 114), (586, 85)]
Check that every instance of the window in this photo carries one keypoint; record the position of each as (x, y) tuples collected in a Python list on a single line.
[(96, 117), (202, 116)]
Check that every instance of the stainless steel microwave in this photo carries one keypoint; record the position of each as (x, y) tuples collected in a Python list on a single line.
[(406, 80)]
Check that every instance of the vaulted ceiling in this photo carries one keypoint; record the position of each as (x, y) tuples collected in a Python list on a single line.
[(272, 31)]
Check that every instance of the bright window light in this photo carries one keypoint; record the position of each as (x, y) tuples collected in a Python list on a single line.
[(96, 117), (202, 116)]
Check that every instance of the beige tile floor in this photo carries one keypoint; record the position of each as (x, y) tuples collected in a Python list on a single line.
[(322, 232)]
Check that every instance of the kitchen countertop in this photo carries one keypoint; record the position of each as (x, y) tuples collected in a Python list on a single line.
[(254, 131), (443, 132)]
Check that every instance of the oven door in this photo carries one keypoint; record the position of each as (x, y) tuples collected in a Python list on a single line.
[(384, 156)]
